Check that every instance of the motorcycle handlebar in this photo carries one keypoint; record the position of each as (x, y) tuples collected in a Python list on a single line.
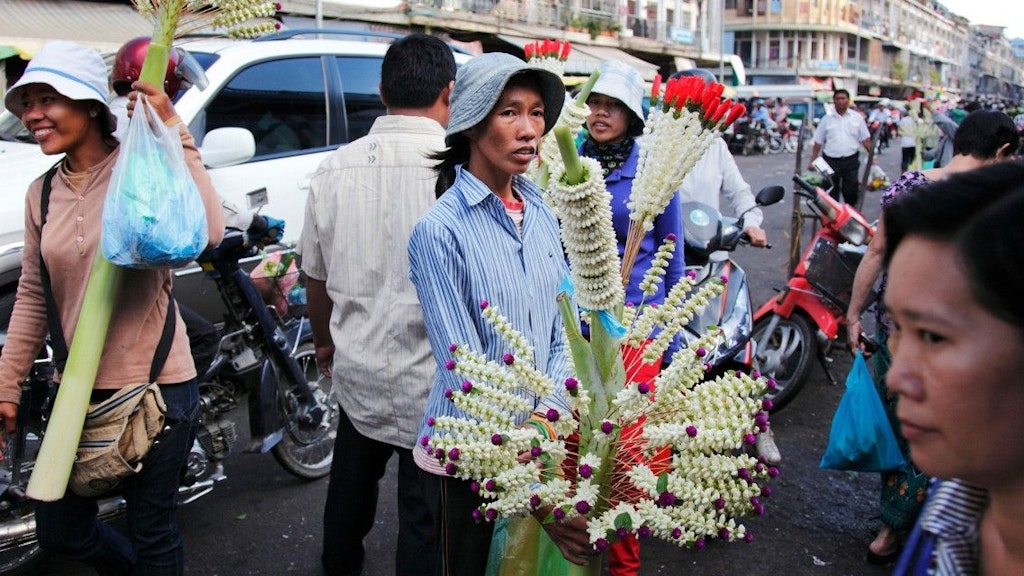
[(804, 184)]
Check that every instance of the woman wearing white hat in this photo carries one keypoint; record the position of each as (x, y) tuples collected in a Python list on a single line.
[(490, 237), (62, 100)]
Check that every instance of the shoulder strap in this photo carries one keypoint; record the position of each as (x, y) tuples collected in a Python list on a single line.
[(57, 340)]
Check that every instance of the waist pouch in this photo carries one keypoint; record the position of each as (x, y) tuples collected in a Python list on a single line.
[(117, 435)]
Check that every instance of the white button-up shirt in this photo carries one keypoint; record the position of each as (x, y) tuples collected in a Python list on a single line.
[(841, 136), (364, 201)]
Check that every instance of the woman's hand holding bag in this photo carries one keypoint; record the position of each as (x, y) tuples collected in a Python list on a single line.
[(861, 438), (153, 215)]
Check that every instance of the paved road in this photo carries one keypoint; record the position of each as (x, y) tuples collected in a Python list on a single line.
[(261, 521)]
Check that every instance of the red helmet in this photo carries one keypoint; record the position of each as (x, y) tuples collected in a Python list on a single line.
[(128, 66)]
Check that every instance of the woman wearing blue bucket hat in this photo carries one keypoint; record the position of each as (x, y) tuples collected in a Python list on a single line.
[(62, 100), (490, 238)]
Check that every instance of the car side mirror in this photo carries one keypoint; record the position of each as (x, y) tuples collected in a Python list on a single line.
[(227, 147)]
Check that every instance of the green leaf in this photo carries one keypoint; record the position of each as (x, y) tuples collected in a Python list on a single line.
[(662, 482), (624, 521)]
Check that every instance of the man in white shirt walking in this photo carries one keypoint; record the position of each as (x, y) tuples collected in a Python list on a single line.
[(838, 139), (367, 322)]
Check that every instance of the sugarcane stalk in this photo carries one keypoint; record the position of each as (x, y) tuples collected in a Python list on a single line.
[(52, 471)]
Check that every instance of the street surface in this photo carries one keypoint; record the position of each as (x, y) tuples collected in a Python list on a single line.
[(262, 521)]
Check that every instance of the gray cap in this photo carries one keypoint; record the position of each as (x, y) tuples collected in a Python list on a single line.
[(479, 83), (622, 82)]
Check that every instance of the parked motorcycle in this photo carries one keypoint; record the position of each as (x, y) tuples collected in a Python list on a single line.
[(265, 361), (806, 317), (708, 237), (748, 138)]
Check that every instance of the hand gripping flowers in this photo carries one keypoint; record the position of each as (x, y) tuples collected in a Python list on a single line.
[(566, 460)]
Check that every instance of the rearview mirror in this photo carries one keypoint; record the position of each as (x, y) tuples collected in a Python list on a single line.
[(770, 195)]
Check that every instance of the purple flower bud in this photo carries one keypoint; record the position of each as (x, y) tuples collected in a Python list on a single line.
[(707, 367), (759, 509), (607, 427), (759, 467), (677, 533), (723, 533), (491, 485), (766, 491), (755, 374), (761, 418), (601, 544), (474, 486), (766, 403), (449, 365), (691, 431), (449, 469), (724, 279), (773, 472), (449, 394), (643, 532), (484, 304), (496, 439), (558, 513), (571, 384), (536, 451), (585, 471), (738, 373), (666, 499), (691, 274), (431, 421), (552, 415), (748, 537), (534, 501), (467, 386), (701, 352), (699, 544), (453, 347), (582, 507), (743, 473), (771, 384), (453, 454), (430, 451), (671, 236), (491, 514), (508, 359), (719, 504), (424, 440), (754, 501), (749, 439), (621, 533), (477, 515), (643, 388)]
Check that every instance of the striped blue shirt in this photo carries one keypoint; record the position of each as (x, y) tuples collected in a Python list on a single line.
[(945, 540), (466, 250)]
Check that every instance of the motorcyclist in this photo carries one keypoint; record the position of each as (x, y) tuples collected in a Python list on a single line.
[(184, 72)]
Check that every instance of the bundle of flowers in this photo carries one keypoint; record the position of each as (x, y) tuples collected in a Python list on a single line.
[(692, 480), (548, 54), (236, 18)]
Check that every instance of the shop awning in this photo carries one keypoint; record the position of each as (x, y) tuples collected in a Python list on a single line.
[(25, 25), (584, 59)]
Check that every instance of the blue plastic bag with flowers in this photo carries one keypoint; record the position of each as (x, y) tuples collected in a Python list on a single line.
[(153, 216)]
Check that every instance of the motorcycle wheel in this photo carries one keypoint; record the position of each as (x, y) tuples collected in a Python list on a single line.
[(775, 145), (791, 144), (19, 556), (785, 355), (303, 452)]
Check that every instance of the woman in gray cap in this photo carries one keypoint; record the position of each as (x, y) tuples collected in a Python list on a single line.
[(62, 100), (490, 238)]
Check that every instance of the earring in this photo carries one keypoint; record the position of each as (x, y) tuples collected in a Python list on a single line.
[(93, 113)]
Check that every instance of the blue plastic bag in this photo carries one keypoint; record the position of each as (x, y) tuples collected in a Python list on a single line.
[(861, 438), (153, 216)]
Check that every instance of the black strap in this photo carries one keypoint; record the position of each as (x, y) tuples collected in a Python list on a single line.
[(57, 340)]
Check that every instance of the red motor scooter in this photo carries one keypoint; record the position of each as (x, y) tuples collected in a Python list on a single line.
[(806, 317)]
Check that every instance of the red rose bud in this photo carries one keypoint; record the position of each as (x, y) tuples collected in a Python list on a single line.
[(720, 111), (717, 89), (566, 48), (528, 51), (734, 113), (655, 88)]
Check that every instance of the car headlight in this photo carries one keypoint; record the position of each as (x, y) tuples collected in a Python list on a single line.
[(854, 232)]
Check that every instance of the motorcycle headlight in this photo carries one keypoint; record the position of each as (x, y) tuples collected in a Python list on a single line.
[(854, 232)]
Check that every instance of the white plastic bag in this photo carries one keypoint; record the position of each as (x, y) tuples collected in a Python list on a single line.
[(153, 216)]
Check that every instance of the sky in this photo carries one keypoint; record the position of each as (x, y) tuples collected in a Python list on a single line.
[(1009, 13)]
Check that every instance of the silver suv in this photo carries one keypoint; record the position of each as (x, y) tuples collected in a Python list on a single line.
[(273, 109)]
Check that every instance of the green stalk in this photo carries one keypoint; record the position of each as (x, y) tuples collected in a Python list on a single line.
[(50, 477), (584, 93), (567, 147)]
